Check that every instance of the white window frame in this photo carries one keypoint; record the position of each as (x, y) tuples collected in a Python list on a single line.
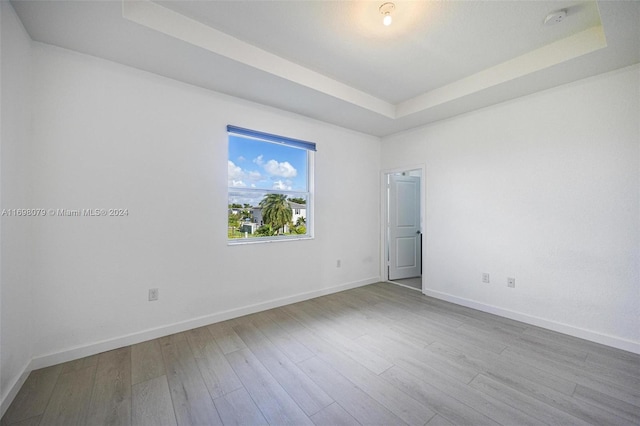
[(310, 147)]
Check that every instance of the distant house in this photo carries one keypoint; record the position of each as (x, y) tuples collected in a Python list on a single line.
[(256, 212), (299, 211)]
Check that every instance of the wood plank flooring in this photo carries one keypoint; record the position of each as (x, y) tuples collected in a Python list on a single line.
[(379, 355)]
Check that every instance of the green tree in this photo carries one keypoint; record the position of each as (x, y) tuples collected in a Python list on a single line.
[(234, 223), (276, 211), (246, 214), (265, 231), (299, 229), (298, 200)]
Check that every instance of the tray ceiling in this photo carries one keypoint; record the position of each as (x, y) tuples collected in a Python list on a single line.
[(335, 61)]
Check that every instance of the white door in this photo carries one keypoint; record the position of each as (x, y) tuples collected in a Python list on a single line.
[(404, 235)]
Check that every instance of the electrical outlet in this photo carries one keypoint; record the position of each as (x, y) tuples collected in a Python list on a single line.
[(153, 294), (511, 282), (338, 263), (485, 278)]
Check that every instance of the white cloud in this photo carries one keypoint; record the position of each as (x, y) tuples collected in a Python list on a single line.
[(235, 175), (277, 173), (233, 171), (282, 186), (284, 169)]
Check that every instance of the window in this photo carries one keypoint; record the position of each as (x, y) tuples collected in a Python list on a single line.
[(270, 187)]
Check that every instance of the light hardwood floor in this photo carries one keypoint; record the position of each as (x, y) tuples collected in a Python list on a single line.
[(380, 354), (415, 282)]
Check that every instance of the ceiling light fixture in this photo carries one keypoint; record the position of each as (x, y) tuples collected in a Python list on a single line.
[(386, 9)]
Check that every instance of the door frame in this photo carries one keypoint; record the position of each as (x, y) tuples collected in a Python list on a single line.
[(384, 217)]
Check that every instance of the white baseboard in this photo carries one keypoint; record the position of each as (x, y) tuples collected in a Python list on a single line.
[(13, 390), (593, 336), (153, 333)]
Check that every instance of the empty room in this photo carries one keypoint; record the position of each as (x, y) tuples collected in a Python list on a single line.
[(320, 212)]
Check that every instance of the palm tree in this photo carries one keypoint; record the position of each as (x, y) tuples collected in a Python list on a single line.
[(276, 211)]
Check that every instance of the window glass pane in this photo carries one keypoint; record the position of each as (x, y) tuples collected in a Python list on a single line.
[(265, 165), (269, 187), (259, 214)]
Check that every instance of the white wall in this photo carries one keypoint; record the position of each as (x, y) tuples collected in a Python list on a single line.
[(544, 189), (109, 136), (15, 173)]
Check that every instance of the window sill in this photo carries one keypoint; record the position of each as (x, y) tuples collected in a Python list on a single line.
[(245, 241)]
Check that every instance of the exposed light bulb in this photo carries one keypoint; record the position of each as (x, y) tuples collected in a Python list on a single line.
[(386, 9)]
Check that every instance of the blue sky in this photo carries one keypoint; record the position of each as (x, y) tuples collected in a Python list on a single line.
[(265, 165)]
